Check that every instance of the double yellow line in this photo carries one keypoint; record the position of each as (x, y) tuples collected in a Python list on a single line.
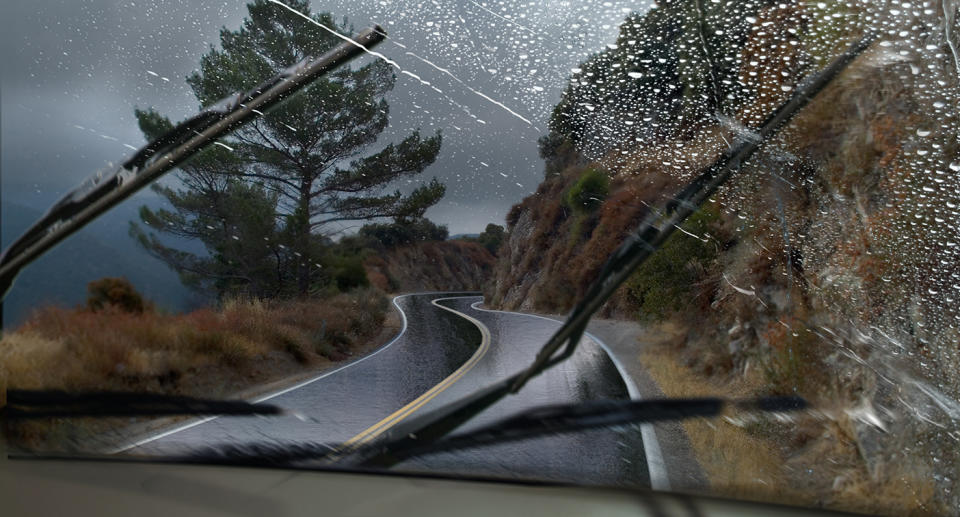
[(383, 425)]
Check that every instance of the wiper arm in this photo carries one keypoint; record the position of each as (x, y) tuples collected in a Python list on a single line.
[(531, 423), (28, 404), (652, 232), (106, 189)]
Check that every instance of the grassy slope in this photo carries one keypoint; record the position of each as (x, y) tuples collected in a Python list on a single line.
[(205, 353)]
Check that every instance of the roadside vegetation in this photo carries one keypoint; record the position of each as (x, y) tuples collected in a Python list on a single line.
[(490, 238), (821, 271), (406, 256), (119, 343)]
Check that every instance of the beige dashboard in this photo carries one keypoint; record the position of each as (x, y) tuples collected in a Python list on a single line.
[(95, 488)]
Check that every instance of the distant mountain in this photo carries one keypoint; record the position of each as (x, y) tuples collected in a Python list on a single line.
[(463, 236), (102, 249)]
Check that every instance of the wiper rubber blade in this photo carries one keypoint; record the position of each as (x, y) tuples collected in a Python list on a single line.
[(28, 404), (532, 423)]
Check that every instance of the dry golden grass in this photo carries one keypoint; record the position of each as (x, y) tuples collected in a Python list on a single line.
[(812, 463), (737, 464), (206, 353)]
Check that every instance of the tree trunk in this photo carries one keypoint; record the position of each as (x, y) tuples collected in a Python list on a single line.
[(303, 239)]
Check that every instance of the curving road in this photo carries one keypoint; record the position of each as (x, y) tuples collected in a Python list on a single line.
[(447, 348)]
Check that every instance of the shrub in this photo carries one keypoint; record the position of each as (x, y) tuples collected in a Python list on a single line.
[(557, 152), (514, 214), (398, 233), (348, 272), (588, 193), (114, 292), (662, 285), (492, 237)]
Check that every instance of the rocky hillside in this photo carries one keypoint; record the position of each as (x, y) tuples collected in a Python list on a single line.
[(430, 266), (828, 268)]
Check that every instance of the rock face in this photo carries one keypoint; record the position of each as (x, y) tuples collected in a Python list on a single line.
[(431, 266), (508, 291), (553, 251)]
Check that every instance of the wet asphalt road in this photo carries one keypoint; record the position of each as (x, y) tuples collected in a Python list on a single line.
[(436, 343)]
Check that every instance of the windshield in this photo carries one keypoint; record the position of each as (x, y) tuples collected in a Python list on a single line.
[(752, 198)]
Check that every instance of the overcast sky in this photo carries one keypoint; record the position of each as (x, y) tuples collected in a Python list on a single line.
[(73, 71)]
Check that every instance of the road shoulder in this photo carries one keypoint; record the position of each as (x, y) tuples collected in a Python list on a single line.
[(624, 340)]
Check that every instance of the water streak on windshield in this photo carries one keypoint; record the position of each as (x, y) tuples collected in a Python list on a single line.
[(508, 148)]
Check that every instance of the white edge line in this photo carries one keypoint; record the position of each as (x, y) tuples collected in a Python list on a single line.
[(659, 480), (204, 420)]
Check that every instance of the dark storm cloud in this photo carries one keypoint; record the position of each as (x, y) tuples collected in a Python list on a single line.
[(73, 71)]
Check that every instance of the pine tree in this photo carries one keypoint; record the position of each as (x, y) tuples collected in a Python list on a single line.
[(309, 158), (672, 70)]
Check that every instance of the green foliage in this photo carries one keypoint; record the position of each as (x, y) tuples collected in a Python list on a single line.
[(492, 237), (152, 124), (662, 285), (346, 271), (304, 164), (588, 193), (391, 235), (674, 65), (247, 247), (117, 293), (557, 151)]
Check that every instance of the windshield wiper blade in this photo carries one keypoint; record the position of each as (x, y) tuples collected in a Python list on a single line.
[(532, 423), (106, 189), (570, 418), (652, 232), (27, 404)]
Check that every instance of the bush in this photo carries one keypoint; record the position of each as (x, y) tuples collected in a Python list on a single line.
[(114, 292), (662, 285), (557, 151), (514, 214), (492, 237), (398, 233), (588, 193), (347, 272)]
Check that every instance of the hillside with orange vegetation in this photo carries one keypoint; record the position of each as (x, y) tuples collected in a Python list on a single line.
[(827, 268), (430, 266), (207, 353)]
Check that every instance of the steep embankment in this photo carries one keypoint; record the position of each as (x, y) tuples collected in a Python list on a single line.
[(553, 250), (827, 268), (430, 266)]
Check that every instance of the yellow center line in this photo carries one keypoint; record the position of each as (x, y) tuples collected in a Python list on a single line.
[(397, 416)]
